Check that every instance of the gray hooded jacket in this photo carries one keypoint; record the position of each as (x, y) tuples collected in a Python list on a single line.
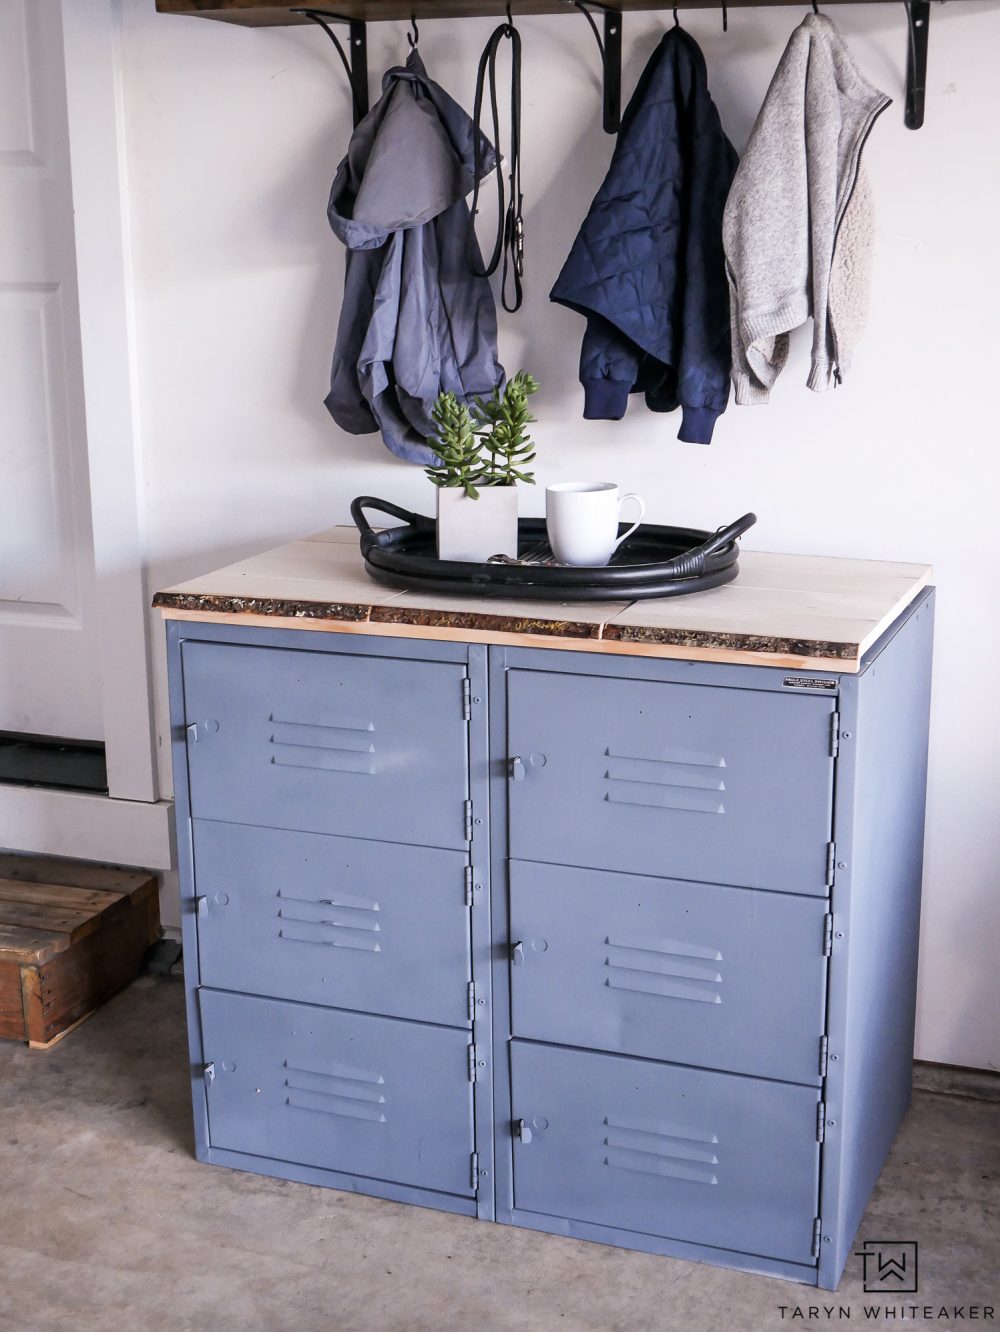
[(415, 321), (798, 221)]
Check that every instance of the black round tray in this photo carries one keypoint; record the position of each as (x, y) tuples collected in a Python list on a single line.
[(653, 562)]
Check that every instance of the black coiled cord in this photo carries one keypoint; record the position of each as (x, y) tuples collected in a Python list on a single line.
[(509, 244)]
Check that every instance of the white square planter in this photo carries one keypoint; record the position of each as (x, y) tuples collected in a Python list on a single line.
[(474, 529)]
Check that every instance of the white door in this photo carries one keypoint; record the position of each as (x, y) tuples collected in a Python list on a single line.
[(49, 670)]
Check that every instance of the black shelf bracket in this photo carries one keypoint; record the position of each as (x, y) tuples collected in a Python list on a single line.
[(918, 14), (357, 65), (610, 47)]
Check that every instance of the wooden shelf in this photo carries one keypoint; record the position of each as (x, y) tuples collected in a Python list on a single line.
[(264, 13)]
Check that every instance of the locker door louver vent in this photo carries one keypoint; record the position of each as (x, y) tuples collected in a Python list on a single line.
[(675, 1152), (347, 747), (681, 779), (340, 921), (668, 968), (353, 1094)]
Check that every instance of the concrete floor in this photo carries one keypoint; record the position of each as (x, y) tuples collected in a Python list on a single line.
[(107, 1222)]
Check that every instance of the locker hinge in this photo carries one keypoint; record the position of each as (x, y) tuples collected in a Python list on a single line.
[(467, 811), (831, 856), (472, 1063), (468, 885), (474, 1172), (466, 698), (834, 734), (471, 996), (827, 934), (824, 1055), (821, 1122), (817, 1234)]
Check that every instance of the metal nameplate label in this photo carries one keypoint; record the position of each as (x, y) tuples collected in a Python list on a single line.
[(804, 682)]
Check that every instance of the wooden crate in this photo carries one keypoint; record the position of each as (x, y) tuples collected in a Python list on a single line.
[(71, 936)]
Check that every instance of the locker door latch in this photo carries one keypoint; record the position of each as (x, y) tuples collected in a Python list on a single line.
[(201, 906), (209, 1074), (523, 1130), (518, 772), (517, 955)]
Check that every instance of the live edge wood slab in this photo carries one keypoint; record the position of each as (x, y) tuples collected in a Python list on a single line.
[(802, 611)]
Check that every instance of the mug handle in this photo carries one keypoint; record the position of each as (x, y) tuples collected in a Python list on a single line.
[(642, 509)]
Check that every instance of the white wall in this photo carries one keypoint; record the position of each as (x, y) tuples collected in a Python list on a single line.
[(233, 139)]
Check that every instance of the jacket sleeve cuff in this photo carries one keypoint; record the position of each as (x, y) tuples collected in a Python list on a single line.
[(604, 399), (697, 424)]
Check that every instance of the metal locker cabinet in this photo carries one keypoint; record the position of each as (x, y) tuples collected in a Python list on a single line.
[(327, 742), (683, 781), (688, 972), (708, 1158), (333, 920), (369, 1096)]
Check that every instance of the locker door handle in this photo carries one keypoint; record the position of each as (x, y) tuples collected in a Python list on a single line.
[(192, 731), (209, 1072), (201, 906), (518, 772), (517, 955), (523, 1131)]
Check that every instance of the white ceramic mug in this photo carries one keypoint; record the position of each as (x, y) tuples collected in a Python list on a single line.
[(582, 518)]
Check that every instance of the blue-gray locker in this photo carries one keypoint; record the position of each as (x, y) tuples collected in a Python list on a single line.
[(690, 1030), (708, 1158), (693, 973), (327, 742), (343, 1091), (356, 924), (678, 780)]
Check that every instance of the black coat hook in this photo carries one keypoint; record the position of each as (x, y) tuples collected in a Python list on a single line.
[(677, 22), (413, 36), (815, 7), (725, 18)]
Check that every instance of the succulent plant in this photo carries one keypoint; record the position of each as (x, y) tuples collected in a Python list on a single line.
[(487, 446)]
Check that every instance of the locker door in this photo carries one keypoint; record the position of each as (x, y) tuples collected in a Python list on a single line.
[(368, 1096), (327, 742), (688, 972), (708, 1158), (730, 786), (333, 920)]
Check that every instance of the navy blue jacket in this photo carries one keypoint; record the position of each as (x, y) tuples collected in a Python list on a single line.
[(648, 269)]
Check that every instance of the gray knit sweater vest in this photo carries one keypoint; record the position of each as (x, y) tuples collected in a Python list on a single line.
[(798, 223)]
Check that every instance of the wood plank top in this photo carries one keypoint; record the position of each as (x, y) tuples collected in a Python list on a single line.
[(52, 870), (48, 905), (804, 611)]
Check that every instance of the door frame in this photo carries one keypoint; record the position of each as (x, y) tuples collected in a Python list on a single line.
[(131, 824)]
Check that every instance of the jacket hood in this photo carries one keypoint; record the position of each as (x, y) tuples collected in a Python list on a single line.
[(411, 158)]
